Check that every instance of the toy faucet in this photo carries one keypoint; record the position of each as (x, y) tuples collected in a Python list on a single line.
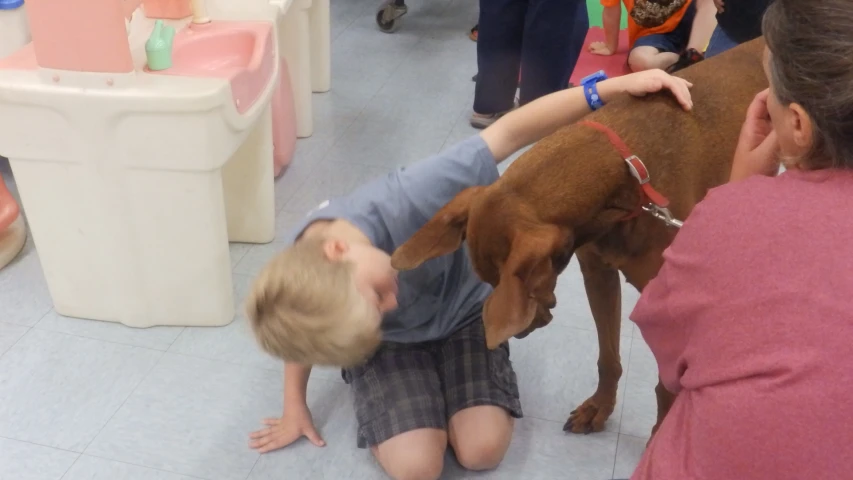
[(158, 48)]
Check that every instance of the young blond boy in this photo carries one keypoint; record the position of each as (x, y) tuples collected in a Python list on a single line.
[(412, 345)]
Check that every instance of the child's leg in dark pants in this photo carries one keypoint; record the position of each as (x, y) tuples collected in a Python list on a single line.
[(554, 33), (499, 41), (542, 37)]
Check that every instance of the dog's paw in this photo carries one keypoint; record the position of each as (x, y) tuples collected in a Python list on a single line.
[(590, 416)]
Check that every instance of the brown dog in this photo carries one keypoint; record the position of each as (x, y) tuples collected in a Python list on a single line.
[(573, 193)]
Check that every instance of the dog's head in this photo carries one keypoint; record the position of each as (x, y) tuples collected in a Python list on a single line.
[(519, 255)]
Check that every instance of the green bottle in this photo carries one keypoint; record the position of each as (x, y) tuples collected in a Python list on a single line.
[(158, 48)]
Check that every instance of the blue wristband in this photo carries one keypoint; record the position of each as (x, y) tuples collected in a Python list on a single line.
[(590, 89)]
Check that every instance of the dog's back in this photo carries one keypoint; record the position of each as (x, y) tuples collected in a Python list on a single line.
[(687, 153)]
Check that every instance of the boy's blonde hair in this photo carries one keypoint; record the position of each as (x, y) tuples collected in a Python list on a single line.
[(305, 308)]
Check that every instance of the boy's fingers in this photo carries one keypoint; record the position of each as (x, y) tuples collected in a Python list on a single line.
[(271, 421), (314, 437), (260, 433), (272, 446), (262, 440), (681, 92), (259, 443)]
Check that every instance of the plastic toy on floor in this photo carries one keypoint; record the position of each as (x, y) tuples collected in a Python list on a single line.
[(13, 231), (127, 171)]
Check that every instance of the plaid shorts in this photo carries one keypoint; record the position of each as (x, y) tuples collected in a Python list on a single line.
[(405, 387)]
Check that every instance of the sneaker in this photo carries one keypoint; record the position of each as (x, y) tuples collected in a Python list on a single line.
[(690, 56), (483, 120)]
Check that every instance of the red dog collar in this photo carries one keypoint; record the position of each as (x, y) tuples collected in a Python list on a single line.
[(638, 170)]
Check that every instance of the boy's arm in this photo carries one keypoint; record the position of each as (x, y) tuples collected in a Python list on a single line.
[(295, 384), (611, 19), (295, 422), (544, 116)]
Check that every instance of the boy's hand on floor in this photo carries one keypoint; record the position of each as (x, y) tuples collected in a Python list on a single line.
[(600, 48), (281, 432)]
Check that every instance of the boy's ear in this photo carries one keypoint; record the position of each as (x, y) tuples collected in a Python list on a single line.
[(444, 233), (334, 250)]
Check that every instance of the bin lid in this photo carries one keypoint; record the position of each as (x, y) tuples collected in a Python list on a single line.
[(10, 4)]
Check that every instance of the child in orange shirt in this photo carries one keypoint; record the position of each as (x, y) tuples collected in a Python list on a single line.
[(654, 42)]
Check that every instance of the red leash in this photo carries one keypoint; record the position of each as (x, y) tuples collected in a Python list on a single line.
[(637, 168)]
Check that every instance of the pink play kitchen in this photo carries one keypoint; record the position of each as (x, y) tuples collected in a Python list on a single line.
[(143, 137)]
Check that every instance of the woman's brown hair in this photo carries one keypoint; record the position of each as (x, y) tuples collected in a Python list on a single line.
[(811, 64)]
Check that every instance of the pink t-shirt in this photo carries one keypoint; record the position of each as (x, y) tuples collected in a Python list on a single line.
[(751, 322)]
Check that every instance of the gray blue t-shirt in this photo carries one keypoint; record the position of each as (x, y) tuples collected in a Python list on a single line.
[(443, 294)]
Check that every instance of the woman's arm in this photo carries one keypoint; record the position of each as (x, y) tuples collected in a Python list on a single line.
[(543, 116)]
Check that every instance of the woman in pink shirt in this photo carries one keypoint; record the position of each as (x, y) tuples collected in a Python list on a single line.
[(751, 316)]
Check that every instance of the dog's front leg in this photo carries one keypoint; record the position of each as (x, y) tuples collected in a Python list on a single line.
[(665, 399), (603, 289), (639, 273)]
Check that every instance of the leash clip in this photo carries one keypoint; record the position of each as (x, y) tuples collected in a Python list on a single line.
[(663, 214)]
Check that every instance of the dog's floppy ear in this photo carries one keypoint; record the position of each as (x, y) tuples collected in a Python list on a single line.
[(441, 235), (527, 281)]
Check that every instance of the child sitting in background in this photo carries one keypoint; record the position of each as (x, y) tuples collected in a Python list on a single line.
[(414, 347), (658, 35)]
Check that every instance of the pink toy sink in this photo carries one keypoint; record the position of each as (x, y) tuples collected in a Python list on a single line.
[(241, 52)]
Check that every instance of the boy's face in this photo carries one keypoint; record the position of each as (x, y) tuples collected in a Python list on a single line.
[(374, 277)]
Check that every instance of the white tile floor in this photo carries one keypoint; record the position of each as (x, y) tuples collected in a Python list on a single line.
[(91, 400)]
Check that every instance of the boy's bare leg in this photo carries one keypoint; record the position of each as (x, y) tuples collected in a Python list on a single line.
[(480, 436), (413, 455), (650, 58)]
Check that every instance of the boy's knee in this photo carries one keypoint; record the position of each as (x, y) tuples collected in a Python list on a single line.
[(415, 468), (480, 437), (416, 455), (479, 452), (638, 61)]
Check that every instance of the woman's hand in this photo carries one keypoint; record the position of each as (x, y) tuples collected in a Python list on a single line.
[(720, 5), (648, 81), (601, 48), (757, 151)]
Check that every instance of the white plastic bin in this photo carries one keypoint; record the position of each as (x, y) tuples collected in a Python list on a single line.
[(14, 30)]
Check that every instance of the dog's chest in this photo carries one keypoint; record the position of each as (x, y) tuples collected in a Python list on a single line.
[(619, 246)]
